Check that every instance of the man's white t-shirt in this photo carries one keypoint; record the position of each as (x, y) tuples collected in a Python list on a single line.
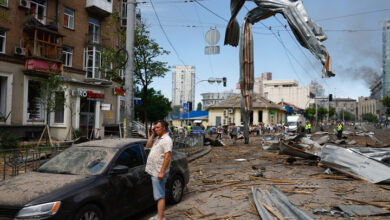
[(156, 157)]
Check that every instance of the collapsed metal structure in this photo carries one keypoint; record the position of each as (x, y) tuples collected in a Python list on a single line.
[(308, 34)]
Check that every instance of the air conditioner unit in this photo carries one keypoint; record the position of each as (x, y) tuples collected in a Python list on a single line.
[(230, 111), (20, 51), (24, 3), (225, 121)]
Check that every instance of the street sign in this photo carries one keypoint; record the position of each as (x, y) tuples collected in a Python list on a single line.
[(185, 107)]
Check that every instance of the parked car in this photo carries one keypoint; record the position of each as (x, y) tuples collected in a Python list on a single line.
[(103, 179)]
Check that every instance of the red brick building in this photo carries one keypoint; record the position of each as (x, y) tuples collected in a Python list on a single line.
[(43, 37)]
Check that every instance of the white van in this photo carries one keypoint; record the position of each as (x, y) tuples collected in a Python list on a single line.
[(293, 121)]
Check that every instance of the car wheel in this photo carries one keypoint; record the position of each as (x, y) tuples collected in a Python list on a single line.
[(176, 189), (89, 212)]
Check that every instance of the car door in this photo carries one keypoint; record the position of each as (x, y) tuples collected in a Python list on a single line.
[(137, 182)]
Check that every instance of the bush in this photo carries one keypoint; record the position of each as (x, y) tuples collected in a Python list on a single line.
[(8, 141), (370, 117), (77, 133)]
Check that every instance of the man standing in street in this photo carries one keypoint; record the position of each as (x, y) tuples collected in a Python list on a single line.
[(158, 163), (233, 133)]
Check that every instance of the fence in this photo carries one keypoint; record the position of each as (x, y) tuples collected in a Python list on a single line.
[(22, 160)]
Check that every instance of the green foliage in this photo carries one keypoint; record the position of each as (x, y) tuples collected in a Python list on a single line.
[(8, 141), (199, 107), (370, 117), (348, 116), (159, 108), (322, 113), (48, 89), (332, 112), (77, 133)]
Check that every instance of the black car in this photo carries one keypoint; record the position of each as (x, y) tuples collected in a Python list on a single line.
[(103, 179)]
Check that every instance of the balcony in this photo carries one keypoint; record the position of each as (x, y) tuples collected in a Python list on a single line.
[(99, 7), (43, 48)]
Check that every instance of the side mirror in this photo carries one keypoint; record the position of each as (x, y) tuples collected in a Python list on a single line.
[(119, 169)]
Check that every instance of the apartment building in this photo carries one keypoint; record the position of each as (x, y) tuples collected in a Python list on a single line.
[(39, 38), (183, 85)]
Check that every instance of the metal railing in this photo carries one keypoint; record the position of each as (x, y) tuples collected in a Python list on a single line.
[(22, 160)]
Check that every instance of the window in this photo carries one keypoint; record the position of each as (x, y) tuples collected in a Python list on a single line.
[(68, 18), (94, 31), (67, 54), (131, 157), (92, 62), (59, 100), (3, 97), (35, 108), (4, 3), (38, 9), (2, 41), (124, 13)]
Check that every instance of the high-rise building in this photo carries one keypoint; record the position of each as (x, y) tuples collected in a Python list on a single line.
[(386, 56), (183, 85), (317, 88)]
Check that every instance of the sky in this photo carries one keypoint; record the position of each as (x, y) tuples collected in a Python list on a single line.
[(354, 43)]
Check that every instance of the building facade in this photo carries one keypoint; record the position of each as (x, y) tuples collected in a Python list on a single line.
[(229, 111), (368, 105), (211, 98), (40, 38), (386, 56), (183, 85)]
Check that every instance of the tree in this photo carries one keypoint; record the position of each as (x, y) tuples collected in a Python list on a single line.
[(332, 111), (348, 116), (147, 68), (386, 102), (51, 96), (199, 107), (159, 110), (370, 117), (322, 113)]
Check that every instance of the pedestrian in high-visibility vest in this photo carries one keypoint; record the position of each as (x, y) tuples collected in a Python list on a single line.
[(339, 130), (307, 127)]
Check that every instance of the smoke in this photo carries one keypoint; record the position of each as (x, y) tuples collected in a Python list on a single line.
[(368, 74)]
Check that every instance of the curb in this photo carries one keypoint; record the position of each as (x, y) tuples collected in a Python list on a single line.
[(200, 154)]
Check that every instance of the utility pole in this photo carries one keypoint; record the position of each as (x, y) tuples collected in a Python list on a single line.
[(129, 78)]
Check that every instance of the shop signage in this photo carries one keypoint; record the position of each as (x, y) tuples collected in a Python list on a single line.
[(105, 107), (88, 94), (119, 91)]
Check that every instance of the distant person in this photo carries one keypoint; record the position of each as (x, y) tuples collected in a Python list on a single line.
[(308, 127), (339, 129), (300, 128), (219, 132), (158, 163), (233, 133)]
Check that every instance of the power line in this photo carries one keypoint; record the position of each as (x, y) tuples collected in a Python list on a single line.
[(166, 36), (354, 14), (210, 11)]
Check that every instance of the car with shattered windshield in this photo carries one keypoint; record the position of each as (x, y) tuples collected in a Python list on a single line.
[(103, 179)]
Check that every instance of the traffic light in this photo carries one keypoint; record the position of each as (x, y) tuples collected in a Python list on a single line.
[(224, 81), (330, 97), (189, 106)]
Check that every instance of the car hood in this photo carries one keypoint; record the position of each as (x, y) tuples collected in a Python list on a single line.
[(24, 188)]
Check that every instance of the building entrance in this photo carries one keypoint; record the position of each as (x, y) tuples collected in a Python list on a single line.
[(87, 116)]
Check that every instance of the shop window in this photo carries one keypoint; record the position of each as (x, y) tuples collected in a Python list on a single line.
[(69, 18), (3, 98), (59, 107), (67, 55), (92, 62), (35, 108), (94, 31), (2, 41), (4, 3), (38, 9)]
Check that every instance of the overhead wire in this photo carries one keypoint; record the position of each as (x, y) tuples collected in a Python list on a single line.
[(165, 34)]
